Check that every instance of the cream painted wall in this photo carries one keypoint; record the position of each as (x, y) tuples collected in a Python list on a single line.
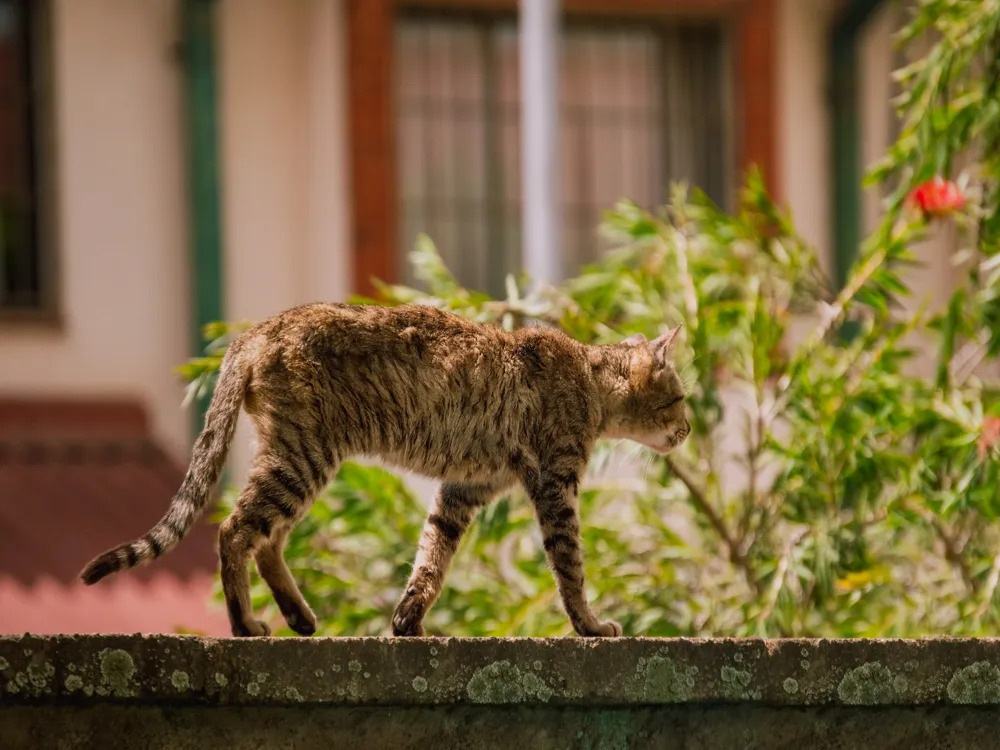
[(121, 217), (803, 115), (284, 161)]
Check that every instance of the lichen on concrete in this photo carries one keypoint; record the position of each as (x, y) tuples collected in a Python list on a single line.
[(663, 681), (117, 671), (292, 693), (503, 682), (40, 675), (736, 684), (790, 685), (499, 682), (4, 664), (872, 684), (419, 684), (74, 683), (976, 684), (180, 680), (221, 680), (535, 686)]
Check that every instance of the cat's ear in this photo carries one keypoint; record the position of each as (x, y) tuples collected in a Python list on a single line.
[(634, 340), (664, 344)]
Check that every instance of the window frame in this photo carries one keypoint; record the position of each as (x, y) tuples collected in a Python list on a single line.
[(371, 104), (662, 28), (48, 312)]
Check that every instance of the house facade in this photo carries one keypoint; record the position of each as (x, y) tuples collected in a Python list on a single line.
[(164, 163)]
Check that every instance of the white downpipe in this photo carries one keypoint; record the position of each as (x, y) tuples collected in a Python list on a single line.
[(540, 172)]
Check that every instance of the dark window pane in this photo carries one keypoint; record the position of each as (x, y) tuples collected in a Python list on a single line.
[(20, 267), (641, 105)]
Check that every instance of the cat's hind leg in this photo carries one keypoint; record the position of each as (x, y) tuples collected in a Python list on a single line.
[(274, 570), (275, 496), (451, 513)]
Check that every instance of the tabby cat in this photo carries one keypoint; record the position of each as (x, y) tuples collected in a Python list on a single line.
[(474, 406)]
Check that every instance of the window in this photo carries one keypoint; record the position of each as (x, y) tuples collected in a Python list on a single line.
[(23, 286), (641, 105)]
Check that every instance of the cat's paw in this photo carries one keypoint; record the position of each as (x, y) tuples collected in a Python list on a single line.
[(610, 629), (303, 623), (409, 615), (252, 629)]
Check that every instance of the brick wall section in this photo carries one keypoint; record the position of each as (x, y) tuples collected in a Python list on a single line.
[(372, 111)]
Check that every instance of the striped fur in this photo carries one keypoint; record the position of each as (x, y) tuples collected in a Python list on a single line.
[(474, 406)]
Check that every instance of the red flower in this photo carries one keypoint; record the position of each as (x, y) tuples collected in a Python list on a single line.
[(989, 434), (938, 197)]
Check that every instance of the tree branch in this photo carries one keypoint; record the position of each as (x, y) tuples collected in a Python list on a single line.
[(735, 554)]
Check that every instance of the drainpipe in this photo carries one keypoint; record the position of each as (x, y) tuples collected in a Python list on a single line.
[(198, 21), (846, 134), (540, 193)]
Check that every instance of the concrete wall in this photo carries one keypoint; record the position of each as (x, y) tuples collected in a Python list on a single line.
[(173, 692), (120, 212)]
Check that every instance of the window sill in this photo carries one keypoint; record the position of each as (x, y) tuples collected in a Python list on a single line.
[(43, 319)]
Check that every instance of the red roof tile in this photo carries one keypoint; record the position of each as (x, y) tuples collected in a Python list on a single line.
[(63, 502), (76, 478)]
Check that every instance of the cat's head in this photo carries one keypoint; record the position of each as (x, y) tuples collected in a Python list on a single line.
[(652, 410)]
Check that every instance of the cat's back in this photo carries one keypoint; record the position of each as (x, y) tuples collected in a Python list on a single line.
[(375, 340)]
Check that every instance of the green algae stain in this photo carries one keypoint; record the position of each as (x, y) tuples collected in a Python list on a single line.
[(976, 685), (872, 684), (117, 670)]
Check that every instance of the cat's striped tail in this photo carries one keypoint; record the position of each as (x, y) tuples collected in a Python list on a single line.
[(207, 461)]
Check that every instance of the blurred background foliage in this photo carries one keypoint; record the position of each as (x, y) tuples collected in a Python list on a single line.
[(831, 485)]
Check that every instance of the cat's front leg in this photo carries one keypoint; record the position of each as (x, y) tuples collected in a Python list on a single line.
[(453, 510), (554, 494)]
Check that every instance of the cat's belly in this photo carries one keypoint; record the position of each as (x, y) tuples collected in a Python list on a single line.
[(477, 469)]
